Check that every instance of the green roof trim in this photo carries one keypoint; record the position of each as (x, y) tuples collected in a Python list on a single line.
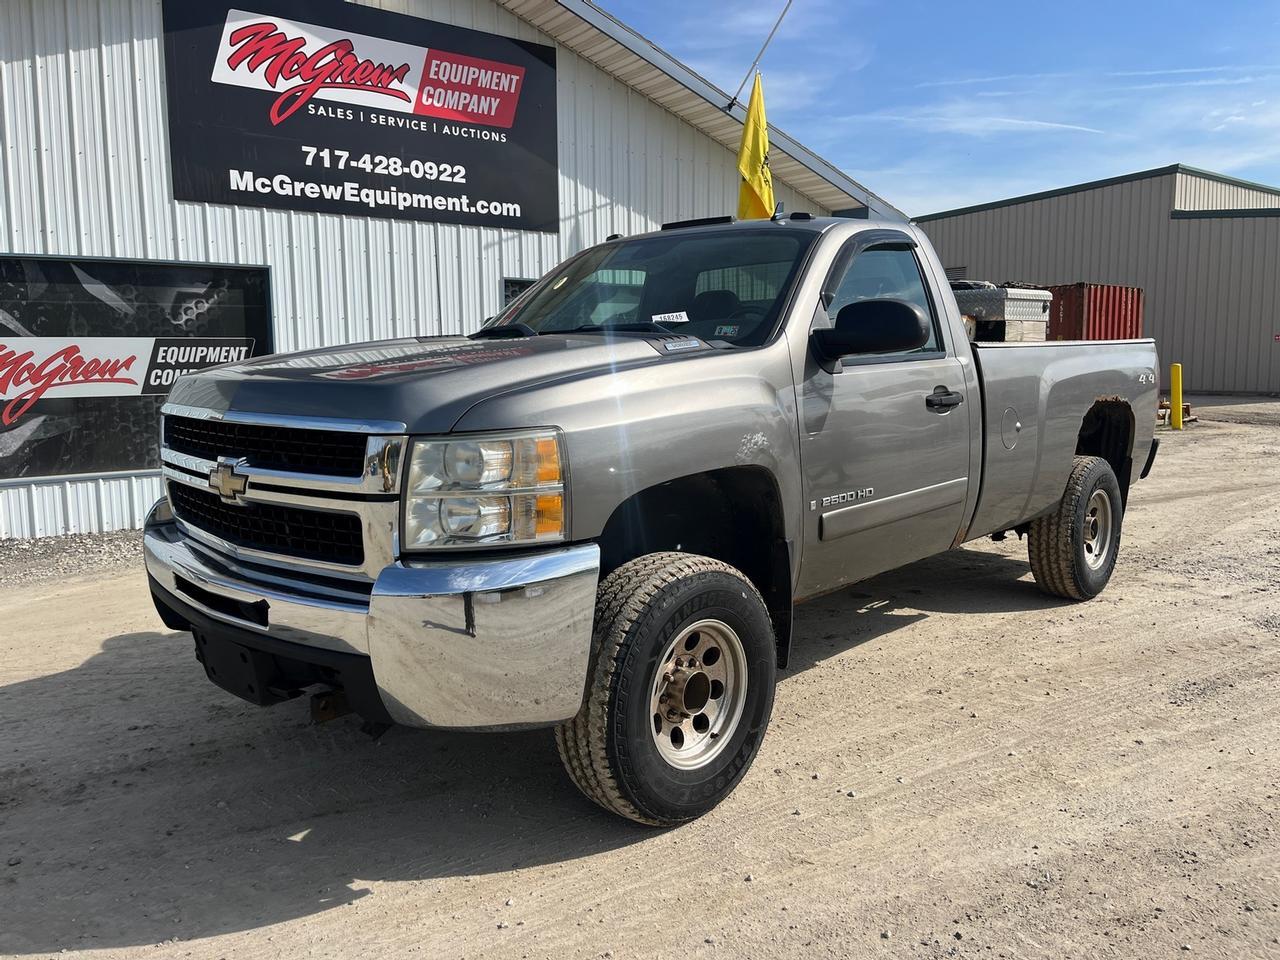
[(1223, 178), (1099, 184), (1225, 214)]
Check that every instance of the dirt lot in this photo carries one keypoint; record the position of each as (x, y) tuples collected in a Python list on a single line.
[(958, 766)]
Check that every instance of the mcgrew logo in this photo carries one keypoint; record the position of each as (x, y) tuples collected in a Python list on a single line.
[(66, 367), (301, 62), (285, 60)]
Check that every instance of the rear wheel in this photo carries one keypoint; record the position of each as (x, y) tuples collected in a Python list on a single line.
[(681, 689), (1073, 549)]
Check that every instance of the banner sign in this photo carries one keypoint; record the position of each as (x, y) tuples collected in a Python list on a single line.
[(339, 108), (90, 348), (32, 368)]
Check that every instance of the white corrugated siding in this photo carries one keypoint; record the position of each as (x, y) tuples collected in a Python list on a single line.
[(84, 171), (1204, 193), (1212, 287), (77, 504)]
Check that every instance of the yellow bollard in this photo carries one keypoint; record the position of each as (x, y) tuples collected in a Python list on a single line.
[(1175, 396)]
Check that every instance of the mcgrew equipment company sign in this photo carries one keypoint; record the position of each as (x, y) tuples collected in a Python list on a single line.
[(33, 368), (308, 105)]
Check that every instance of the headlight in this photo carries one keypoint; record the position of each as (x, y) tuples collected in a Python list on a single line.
[(474, 491)]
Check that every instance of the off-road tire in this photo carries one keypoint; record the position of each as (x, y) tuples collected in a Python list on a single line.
[(608, 748), (1056, 541)]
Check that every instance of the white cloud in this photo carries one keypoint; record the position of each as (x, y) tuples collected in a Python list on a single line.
[(998, 78), (974, 125), (1206, 82), (1174, 71), (1079, 76)]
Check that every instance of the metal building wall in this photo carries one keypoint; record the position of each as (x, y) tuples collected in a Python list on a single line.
[(1107, 235), (1226, 303), (84, 171), (1212, 288), (1194, 192)]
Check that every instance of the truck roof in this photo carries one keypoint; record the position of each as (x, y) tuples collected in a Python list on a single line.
[(801, 221)]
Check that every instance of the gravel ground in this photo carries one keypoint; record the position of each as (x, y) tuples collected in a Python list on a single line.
[(25, 563), (958, 766), (1260, 411)]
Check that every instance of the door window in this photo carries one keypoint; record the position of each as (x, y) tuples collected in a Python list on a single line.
[(888, 272)]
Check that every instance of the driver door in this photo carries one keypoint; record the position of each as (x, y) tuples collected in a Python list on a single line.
[(885, 470)]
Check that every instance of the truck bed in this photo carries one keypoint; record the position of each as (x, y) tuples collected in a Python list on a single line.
[(1034, 398)]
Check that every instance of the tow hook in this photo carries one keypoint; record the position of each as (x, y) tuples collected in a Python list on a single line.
[(329, 705), (332, 704)]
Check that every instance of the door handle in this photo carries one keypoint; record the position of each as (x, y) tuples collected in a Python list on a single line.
[(942, 400)]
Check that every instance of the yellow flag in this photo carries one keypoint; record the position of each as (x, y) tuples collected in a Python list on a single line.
[(755, 196)]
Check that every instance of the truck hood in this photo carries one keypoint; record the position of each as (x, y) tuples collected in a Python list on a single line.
[(427, 384)]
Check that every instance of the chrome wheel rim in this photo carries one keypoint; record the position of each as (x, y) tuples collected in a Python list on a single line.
[(698, 694), (1097, 529)]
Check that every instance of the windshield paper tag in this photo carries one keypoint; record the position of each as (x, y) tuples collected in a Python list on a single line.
[(678, 317)]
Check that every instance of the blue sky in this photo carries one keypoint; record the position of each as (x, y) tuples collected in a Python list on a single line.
[(935, 105)]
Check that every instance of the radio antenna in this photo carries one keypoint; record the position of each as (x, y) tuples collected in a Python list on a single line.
[(756, 62)]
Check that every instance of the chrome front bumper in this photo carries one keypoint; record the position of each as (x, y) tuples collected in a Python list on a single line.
[(463, 644)]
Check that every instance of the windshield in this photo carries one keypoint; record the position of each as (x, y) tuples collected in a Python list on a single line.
[(727, 286)]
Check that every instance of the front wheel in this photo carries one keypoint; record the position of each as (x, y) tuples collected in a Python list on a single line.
[(681, 689), (1073, 549)]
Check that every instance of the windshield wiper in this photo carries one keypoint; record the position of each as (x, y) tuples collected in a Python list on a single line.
[(507, 331)]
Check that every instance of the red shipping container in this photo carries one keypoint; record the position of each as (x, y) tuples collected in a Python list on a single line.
[(1095, 311)]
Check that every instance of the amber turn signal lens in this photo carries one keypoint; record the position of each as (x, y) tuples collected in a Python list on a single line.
[(549, 513), (548, 457)]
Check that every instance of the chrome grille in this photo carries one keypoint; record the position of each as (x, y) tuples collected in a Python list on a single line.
[(285, 530), (293, 493)]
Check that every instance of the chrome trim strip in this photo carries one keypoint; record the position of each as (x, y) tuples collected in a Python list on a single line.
[(419, 579), (383, 459), (307, 481), (256, 494), (333, 588), (379, 452), (876, 513), (378, 552), (285, 420), (169, 473)]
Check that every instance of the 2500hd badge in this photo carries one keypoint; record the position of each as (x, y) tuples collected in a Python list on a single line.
[(851, 496)]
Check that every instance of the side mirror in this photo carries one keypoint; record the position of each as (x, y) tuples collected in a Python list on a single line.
[(873, 326)]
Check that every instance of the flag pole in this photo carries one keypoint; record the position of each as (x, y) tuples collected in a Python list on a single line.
[(759, 56)]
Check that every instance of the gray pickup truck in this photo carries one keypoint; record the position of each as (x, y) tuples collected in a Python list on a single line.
[(598, 512)]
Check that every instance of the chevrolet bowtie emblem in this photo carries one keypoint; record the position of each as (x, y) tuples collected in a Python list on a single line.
[(224, 479)]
